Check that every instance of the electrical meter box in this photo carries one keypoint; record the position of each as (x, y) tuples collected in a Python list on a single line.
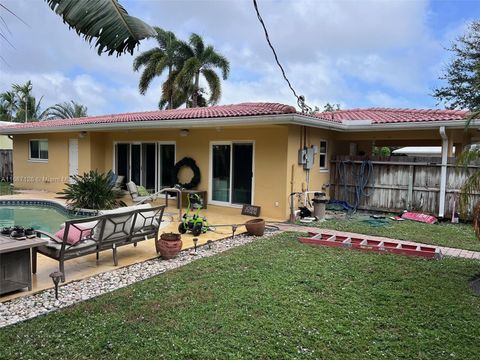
[(302, 156), (308, 164)]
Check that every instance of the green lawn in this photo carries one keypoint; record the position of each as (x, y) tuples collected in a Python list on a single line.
[(273, 299), (442, 234)]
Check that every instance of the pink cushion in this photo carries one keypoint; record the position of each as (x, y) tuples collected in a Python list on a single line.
[(74, 234)]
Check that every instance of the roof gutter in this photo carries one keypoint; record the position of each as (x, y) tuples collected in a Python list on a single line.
[(277, 119)]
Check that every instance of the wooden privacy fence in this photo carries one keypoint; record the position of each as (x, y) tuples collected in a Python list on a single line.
[(6, 166), (398, 183)]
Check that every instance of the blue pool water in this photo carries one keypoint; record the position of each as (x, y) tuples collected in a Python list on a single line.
[(40, 218)]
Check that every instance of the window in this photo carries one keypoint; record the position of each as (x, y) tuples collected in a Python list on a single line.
[(323, 155), (39, 150)]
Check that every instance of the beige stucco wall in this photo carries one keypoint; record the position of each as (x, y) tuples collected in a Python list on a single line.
[(276, 169), (96, 152), (47, 175), (269, 159), (5, 142), (297, 180)]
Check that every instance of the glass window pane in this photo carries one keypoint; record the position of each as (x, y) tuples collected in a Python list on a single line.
[(148, 170), (242, 173), (123, 159), (167, 162), (221, 173), (34, 149), (323, 147), (135, 163), (43, 149), (323, 161)]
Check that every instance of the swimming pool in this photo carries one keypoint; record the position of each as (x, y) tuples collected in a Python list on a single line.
[(39, 217)]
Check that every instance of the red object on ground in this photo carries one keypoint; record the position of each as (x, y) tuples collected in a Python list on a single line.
[(428, 219), (363, 244)]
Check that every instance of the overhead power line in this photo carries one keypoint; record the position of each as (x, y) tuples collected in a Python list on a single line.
[(300, 98)]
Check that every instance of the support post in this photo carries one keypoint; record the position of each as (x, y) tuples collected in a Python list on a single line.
[(443, 173)]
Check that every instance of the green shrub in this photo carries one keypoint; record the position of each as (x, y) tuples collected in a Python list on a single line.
[(93, 190)]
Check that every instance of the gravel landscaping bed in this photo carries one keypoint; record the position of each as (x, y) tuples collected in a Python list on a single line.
[(43, 302)]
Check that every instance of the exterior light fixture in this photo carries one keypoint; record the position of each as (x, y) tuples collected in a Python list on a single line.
[(82, 134), (56, 277), (184, 132), (195, 241)]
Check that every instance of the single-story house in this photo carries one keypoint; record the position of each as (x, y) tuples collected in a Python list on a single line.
[(249, 153)]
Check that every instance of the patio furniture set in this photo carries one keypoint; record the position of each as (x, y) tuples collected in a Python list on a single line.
[(108, 230)]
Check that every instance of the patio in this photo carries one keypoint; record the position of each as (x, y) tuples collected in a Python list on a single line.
[(87, 266)]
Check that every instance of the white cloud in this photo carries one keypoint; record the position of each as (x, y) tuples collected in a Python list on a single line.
[(348, 52)]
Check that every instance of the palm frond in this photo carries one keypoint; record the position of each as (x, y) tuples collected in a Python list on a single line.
[(214, 85), (197, 44), (189, 69), (473, 115), (213, 59), (144, 58), (105, 21), (471, 185), (66, 110), (468, 157), (147, 77)]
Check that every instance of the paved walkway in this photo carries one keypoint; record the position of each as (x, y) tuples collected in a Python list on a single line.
[(446, 251)]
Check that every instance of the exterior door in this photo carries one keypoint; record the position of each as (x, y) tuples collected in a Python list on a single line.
[(72, 159), (232, 173), (242, 173)]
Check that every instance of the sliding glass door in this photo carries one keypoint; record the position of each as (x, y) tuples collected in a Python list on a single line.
[(242, 175), (221, 173), (147, 164), (232, 173), (166, 156)]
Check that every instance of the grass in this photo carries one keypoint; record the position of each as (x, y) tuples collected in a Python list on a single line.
[(273, 299), (441, 234)]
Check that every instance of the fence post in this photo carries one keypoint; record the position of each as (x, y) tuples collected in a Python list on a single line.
[(410, 187)]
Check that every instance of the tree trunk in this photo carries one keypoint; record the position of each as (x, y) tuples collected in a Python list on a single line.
[(195, 90), (170, 97)]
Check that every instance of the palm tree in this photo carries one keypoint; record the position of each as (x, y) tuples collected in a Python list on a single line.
[(9, 105), (166, 57), (66, 110), (31, 110), (202, 60), (23, 93)]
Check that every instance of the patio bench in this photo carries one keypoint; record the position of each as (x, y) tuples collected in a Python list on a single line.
[(107, 231)]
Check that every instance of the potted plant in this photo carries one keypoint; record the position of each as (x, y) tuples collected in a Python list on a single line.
[(169, 245), (255, 227)]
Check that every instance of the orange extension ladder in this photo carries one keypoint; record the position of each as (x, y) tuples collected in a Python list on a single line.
[(365, 244)]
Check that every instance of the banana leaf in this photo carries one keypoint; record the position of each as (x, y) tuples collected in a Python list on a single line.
[(106, 22)]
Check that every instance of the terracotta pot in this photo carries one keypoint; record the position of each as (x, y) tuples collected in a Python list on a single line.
[(255, 227), (169, 245)]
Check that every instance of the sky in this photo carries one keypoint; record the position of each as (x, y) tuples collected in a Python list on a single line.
[(357, 53)]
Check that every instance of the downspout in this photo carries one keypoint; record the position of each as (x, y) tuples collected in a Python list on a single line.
[(443, 173)]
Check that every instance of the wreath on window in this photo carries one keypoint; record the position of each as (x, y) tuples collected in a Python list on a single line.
[(189, 162)]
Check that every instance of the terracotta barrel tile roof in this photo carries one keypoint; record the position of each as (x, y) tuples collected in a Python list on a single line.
[(243, 109), (385, 115)]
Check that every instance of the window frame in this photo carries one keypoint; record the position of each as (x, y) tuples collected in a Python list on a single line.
[(39, 159), (320, 154)]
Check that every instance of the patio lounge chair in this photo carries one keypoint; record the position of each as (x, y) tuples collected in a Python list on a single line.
[(138, 199), (118, 182)]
